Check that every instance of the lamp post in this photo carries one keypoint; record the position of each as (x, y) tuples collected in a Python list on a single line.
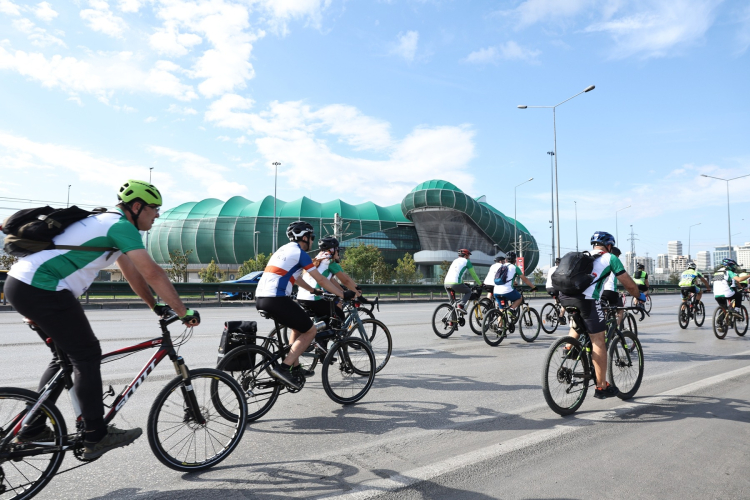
[(689, 229), (275, 229), (255, 237), (617, 227), (554, 133), (515, 222), (729, 224), (68, 203), (575, 204), (149, 174), (552, 198)]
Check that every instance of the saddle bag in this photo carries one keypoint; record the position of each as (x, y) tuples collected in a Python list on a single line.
[(235, 334)]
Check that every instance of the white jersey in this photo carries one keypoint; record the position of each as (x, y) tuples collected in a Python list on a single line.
[(549, 276), (490, 279), (327, 268), (75, 270), (507, 287), (283, 268)]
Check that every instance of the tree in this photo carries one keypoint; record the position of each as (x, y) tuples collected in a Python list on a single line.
[(365, 264), (7, 260), (178, 263), (406, 270), (444, 267), (538, 277), (252, 265), (381, 272), (212, 273), (674, 278)]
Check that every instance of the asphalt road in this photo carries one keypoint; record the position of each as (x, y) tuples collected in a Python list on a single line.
[(447, 418)]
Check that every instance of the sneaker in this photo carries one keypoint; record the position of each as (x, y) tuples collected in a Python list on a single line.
[(115, 438), (283, 373), (45, 435), (304, 372), (562, 320), (610, 392), (571, 352)]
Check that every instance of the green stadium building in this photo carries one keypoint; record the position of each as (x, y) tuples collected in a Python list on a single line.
[(432, 222)]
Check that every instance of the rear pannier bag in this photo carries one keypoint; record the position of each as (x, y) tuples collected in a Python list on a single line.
[(237, 333), (573, 275)]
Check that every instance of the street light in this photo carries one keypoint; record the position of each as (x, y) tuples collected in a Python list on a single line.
[(515, 222), (689, 229), (255, 237), (149, 174), (552, 198), (617, 228), (575, 204), (729, 224), (554, 133), (275, 229), (68, 203)]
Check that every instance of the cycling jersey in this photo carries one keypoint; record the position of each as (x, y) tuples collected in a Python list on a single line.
[(490, 279), (724, 284), (549, 276), (75, 270), (689, 277), (507, 287), (283, 268), (327, 268), (604, 265), (640, 277), (455, 274)]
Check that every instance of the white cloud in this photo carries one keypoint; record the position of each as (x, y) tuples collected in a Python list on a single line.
[(534, 11), (45, 12), (509, 50), (8, 7), (37, 35), (282, 11), (100, 18), (222, 113), (743, 34), (406, 45), (130, 6), (182, 110), (170, 42), (150, 119)]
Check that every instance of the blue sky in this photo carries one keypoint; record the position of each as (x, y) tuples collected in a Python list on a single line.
[(362, 100)]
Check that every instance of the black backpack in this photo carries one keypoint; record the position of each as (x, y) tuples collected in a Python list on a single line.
[(32, 230), (573, 275), (501, 276), (236, 334)]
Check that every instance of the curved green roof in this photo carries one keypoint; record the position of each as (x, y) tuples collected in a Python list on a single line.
[(436, 184)]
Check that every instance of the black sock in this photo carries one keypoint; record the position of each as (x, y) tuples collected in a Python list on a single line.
[(95, 430)]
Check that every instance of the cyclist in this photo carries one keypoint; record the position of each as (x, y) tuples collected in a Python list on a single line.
[(454, 277), (272, 296), (688, 284), (589, 304), (327, 262), (44, 287), (726, 281), (551, 289), (641, 278), (489, 280), (505, 290), (609, 293)]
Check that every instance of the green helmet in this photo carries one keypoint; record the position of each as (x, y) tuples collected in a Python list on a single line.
[(134, 190)]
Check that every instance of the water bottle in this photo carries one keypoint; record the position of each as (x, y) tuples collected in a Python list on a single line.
[(320, 325)]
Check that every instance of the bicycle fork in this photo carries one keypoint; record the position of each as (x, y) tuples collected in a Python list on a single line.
[(192, 411)]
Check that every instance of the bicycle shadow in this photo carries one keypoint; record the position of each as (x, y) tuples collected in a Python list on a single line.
[(682, 356), (435, 382)]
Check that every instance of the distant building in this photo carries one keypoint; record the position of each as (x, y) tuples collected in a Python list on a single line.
[(679, 263), (647, 262), (743, 255), (674, 248), (628, 261), (721, 253), (662, 260), (703, 261)]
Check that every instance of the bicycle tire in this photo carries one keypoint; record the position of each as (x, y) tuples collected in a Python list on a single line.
[(647, 304), (683, 317), (365, 312), (700, 314), (719, 324), (20, 467), (444, 321), (476, 318), (625, 364), (744, 321), (260, 388), (529, 325), (494, 329), (629, 323), (208, 385), (348, 370), (565, 376), (379, 338), (550, 318)]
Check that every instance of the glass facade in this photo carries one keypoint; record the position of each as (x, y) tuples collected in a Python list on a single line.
[(393, 243)]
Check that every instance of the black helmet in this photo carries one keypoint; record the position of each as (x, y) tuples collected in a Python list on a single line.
[(729, 263), (511, 256), (299, 229), (328, 243), (602, 238), (499, 258), (640, 266), (557, 261)]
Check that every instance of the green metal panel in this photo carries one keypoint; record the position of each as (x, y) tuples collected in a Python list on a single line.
[(179, 212), (432, 197), (204, 247), (224, 239), (460, 204), (435, 184), (234, 206), (244, 248), (204, 208), (189, 236)]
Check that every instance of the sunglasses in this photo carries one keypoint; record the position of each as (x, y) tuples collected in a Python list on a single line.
[(155, 208)]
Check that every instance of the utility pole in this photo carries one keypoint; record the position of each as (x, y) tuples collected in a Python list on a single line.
[(275, 229), (632, 240), (68, 204)]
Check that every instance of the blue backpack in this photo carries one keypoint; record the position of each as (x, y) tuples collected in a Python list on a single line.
[(501, 276)]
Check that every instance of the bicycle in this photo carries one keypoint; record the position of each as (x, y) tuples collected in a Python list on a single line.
[(501, 320), (569, 370), (691, 309), (646, 304), (347, 376), (196, 421), (724, 320), (448, 317), (550, 316)]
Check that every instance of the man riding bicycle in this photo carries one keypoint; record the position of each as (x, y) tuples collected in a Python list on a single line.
[(726, 281), (610, 296), (454, 277), (551, 289), (273, 296), (589, 303), (640, 277), (504, 290), (689, 286), (44, 287), (489, 280)]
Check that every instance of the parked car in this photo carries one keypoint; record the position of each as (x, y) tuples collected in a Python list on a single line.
[(253, 277)]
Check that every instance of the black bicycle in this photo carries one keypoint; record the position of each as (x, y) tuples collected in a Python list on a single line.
[(691, 309), (726, 318), (196, 421), (501, 320), (448, 317), (569, 371), (551, 316)]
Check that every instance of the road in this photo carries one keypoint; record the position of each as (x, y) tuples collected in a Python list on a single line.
[(447, 418)]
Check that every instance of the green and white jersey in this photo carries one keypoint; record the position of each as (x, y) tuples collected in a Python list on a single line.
[(75, 270), (455, 275), (605, 265), (327, 267), (724, 284)]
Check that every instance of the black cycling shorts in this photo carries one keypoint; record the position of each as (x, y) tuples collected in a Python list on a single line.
[(643, 288), (286, 312), (553, 292), (322, 309), (612, 298), (687, 290), (591, 311)]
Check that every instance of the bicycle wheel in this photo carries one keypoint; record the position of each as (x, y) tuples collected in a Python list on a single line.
[(629, 323), (26, 468), (625, 364), (365, 313), (377, 335), (529, 324), (720, 323), (348, 370), (683, 316), (177, 437), (494, 329), (247, 365), (476, 317), (444, 321), (647, 304), (740, 325), (699, 313), (565, 377), (550, 318)]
